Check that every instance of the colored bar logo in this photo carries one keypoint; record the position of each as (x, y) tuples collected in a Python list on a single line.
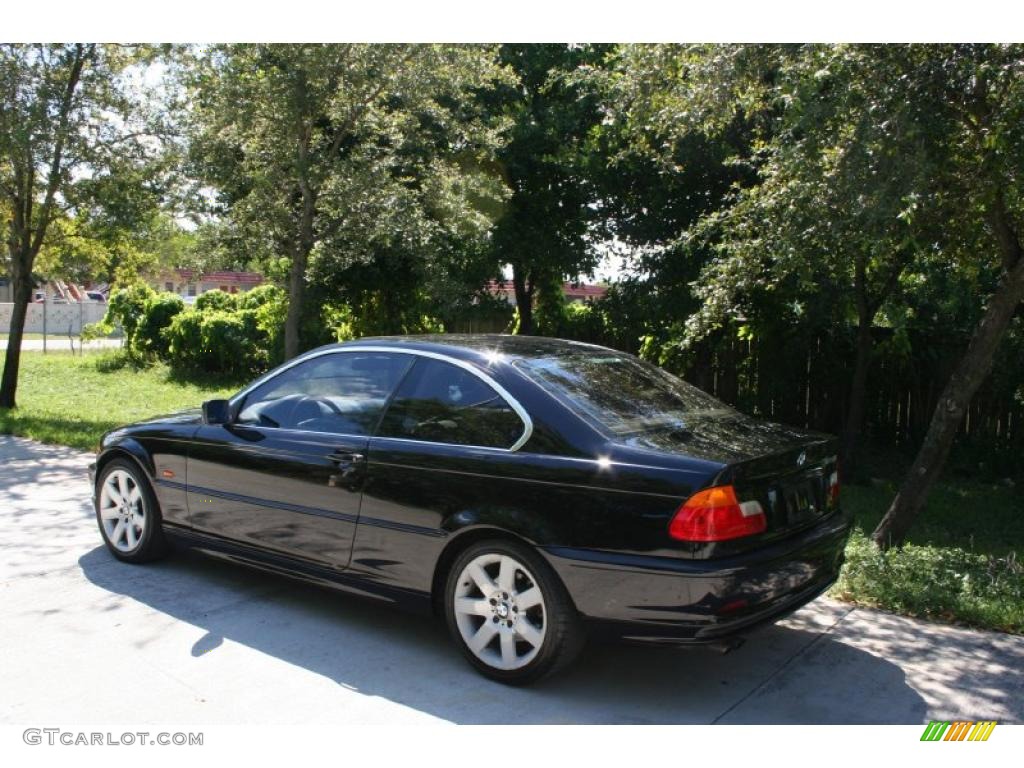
[(960, 730)]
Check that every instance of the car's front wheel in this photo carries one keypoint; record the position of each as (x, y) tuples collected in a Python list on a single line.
[(510, 614), (128, 514)]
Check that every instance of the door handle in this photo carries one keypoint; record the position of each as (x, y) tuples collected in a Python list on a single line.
[(348, 464), (346, 457)]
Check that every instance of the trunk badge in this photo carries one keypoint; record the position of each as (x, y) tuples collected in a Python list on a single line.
[(801, 458)]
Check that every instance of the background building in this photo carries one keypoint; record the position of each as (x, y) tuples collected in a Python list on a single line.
[(574, 292), (189, 283)]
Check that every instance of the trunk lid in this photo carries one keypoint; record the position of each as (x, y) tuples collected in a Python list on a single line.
[(785, 469)]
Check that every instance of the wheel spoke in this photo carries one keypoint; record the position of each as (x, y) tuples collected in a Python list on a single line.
[(130, 533), (483, 581), (112, 493), (472, 606), (529, 598), (117, 533), (482, 637), (122, 485), (507, 574), (109, 513), (528, 632), (134, 496), (508, 649)]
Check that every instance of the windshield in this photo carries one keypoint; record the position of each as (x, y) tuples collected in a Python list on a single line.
[(619, 392)]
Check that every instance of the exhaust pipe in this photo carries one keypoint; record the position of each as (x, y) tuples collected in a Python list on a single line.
[(728, 645)]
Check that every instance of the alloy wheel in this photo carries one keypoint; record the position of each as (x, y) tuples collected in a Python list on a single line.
[(122, 510), (500, 612)]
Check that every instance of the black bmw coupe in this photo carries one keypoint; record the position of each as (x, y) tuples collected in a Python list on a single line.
[(532, 491)]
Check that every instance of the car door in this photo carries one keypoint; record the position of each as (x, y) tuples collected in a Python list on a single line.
[(447, 436), (286, 475)]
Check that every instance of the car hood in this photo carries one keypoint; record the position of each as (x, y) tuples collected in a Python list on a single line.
[(188, 416), (170, 423)]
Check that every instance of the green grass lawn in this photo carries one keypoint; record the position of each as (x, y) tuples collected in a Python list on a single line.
[(73, 399), (962, 562)]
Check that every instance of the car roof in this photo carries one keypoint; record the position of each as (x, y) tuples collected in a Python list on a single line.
[(480, 346)]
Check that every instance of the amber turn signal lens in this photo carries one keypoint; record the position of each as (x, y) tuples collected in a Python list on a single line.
[(715, 514)]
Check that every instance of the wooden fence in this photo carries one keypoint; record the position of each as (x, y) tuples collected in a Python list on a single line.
[(806, 382)]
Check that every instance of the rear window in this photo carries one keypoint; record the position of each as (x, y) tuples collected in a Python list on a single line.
[(621, 393)]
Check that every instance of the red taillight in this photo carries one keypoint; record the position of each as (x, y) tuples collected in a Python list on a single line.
[(833, 488), (715, 514)]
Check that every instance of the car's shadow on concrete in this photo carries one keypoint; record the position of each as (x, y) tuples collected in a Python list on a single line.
[(784, 674)]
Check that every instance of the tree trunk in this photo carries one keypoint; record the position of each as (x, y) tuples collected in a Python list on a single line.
[(703, 370), (297, 276), (21, 282), (858, 391), (524, 300), (296, 290), (27, 230), (953, 403)]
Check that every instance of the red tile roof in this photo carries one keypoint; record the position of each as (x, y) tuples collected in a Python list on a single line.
[(222, 276)]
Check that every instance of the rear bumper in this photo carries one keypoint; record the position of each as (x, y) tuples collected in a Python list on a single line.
[(668, 600)]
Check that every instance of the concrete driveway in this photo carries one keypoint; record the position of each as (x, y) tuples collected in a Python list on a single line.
[(88, 640)]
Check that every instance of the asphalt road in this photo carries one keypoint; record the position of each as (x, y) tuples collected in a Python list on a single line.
[(88, 640)]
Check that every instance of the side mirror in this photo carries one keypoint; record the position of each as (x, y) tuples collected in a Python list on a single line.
[(217, 412)]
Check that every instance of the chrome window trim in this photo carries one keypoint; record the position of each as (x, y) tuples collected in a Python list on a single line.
[(514, 404)]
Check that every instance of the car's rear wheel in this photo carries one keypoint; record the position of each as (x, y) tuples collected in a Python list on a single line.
[(510, 614), (128, 514)]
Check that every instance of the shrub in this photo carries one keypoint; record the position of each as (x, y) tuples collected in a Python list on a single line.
[(184, 339), (260, 296), (583, 322), (270, 318), (157, 315), (217, 342), (946, 583), (93, 331), (231, 342), (127, 307), (371, 318), (216, 299)]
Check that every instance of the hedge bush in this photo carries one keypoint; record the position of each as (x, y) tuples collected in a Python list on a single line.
[(259, 296), (158, 313), (216, 299), (127, 307), (235, 335), (217, 341)]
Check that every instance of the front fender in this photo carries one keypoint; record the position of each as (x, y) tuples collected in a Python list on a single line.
[(129, 447)]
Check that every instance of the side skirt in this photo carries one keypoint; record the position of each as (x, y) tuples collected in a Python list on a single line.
[(350, 582)]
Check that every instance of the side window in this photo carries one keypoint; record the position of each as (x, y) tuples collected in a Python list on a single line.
[(442, 403), (342, 392)]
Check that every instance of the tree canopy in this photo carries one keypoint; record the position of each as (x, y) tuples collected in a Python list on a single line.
[(823, 234), (72, 133), (333, 156)]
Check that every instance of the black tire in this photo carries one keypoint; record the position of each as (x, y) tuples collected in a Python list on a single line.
[(152, 544), (564, 635)]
